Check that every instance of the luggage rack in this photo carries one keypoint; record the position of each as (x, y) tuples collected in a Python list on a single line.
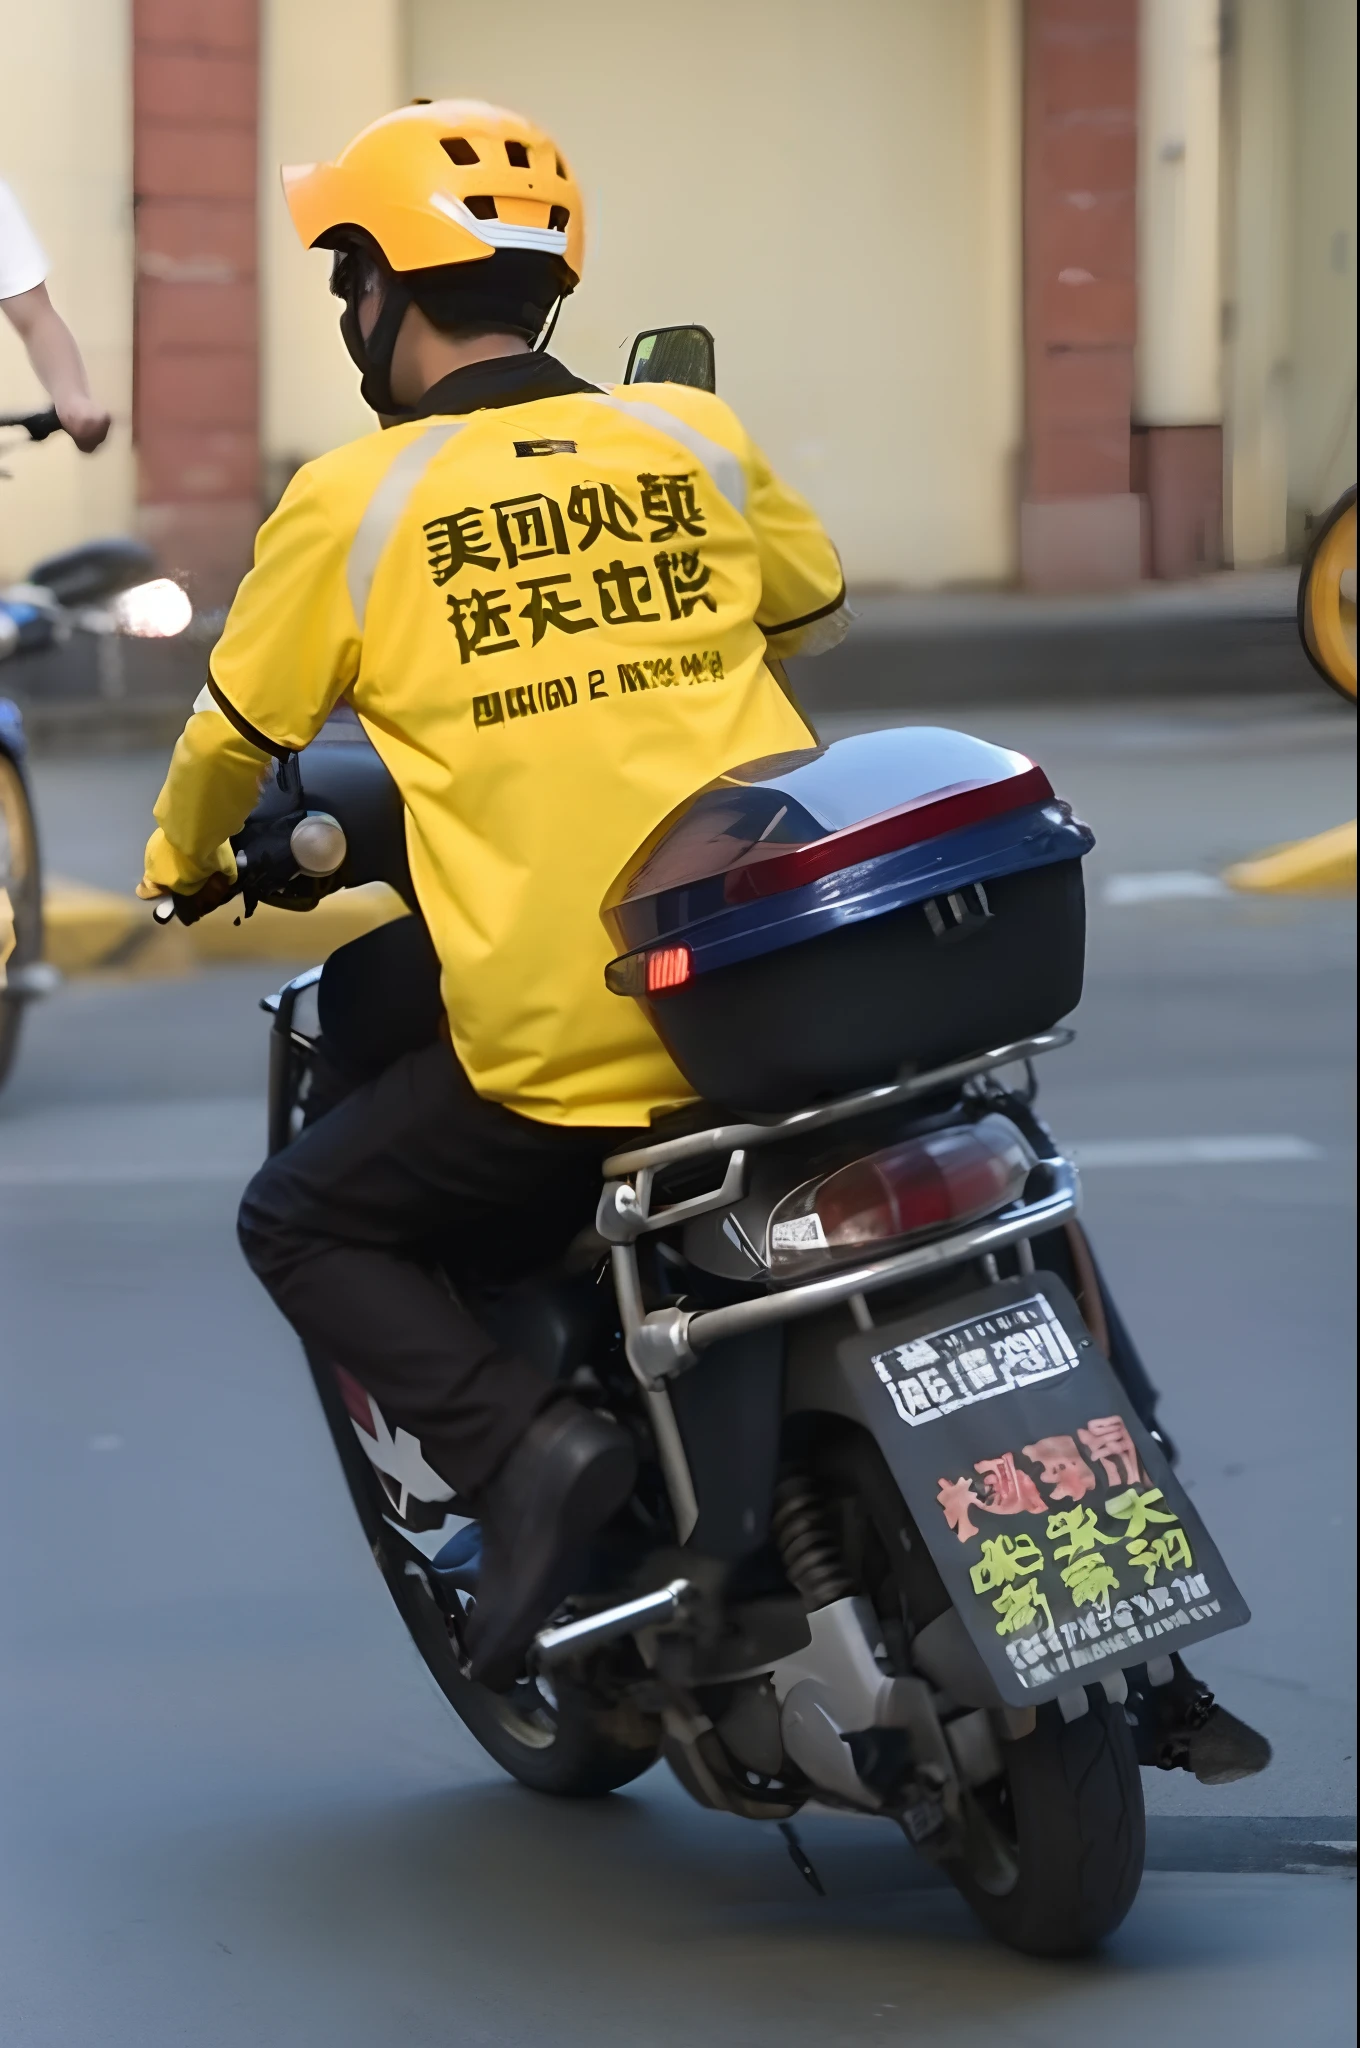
[(664, 1342), (625, 1212)]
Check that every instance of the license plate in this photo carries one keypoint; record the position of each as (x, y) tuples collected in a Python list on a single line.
[(1063, 1537)]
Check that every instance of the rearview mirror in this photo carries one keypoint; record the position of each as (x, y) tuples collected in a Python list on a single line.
[(673, 355), (1327, 597)]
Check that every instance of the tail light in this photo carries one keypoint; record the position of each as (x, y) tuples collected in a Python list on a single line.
[(924, 1184), (668, 967)]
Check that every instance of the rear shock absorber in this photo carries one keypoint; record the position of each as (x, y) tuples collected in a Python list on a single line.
[(807, 1545)]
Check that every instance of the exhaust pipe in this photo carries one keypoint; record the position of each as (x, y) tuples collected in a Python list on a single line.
[(652, 1610)]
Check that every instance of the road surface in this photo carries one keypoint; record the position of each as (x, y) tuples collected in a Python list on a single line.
[(236, 1813)]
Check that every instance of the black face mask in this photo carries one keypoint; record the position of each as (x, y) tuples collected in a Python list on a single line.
[(352, 277)]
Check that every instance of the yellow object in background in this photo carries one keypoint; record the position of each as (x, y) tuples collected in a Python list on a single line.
[(89, 928), (1327, 597), (84, 927), (1324, 866), (6, 932), (293, 934)]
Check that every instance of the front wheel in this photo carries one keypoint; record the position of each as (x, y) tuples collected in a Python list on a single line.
[(554, 1738), (1061, 1835)]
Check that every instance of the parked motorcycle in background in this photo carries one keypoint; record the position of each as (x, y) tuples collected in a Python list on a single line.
[(107, 589), (902, 1534)]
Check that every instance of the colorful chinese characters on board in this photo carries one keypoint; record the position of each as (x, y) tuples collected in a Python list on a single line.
[(1075, 1554), (1085, 1581)]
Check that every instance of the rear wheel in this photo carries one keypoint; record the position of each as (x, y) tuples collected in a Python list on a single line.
[(1067, 1818), (22, 882), (1054, 1847)]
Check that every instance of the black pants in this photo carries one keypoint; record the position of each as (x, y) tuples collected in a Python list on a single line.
[(356, 1226)]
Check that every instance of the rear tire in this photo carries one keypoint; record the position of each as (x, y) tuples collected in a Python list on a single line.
[(1058, 1841), (1070, 1813)]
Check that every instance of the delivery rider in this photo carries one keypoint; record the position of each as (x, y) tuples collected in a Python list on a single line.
[(550, 607)]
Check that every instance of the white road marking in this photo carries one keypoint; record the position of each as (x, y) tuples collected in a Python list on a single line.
[(1176, 885), (1093, 1153)]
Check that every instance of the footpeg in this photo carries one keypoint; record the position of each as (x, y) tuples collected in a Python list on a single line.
[(651, 1610)]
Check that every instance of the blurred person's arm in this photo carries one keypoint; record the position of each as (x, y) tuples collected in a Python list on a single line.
[(57, 365), (288, 652)]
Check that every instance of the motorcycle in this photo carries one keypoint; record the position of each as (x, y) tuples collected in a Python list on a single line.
[(105, 588), (903, 1526)]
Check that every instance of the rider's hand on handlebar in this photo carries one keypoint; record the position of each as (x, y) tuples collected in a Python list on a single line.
[(190, 907)]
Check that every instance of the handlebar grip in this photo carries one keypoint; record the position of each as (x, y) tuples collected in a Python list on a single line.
[(37, 425), (216, 891)]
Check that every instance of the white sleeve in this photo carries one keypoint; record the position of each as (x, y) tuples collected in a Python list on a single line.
[(22, 262)]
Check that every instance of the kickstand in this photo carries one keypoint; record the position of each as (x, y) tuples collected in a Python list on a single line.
[(802, 1862)]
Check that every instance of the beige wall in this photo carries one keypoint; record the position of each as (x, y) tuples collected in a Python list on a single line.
[(1289, 253), (835, 192), (1322, 450), (1259, 187), (67, 151), (1177, 363), (328, 67)]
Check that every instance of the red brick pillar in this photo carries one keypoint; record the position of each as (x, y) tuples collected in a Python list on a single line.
[(1080, 524), (196, 408)]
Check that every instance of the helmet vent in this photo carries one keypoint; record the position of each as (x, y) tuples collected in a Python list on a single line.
[(482, 205), (518, 155), (558, 216), (460, 149), (562, 171)]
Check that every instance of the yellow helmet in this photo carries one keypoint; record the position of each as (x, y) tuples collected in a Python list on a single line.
[(444, 182)]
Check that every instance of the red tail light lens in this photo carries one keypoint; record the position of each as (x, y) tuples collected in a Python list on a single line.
[(924, 1184), (667, 967)]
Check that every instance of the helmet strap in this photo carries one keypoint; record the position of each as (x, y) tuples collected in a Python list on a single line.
[(372, 354)]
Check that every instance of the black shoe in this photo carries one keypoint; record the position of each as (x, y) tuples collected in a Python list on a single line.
[(570, 1472), (1181, 1727)]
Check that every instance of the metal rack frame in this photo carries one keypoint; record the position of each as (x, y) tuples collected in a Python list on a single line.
[(661, 1343)]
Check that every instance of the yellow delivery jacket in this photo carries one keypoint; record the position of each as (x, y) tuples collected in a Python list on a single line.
[(551, 617)]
